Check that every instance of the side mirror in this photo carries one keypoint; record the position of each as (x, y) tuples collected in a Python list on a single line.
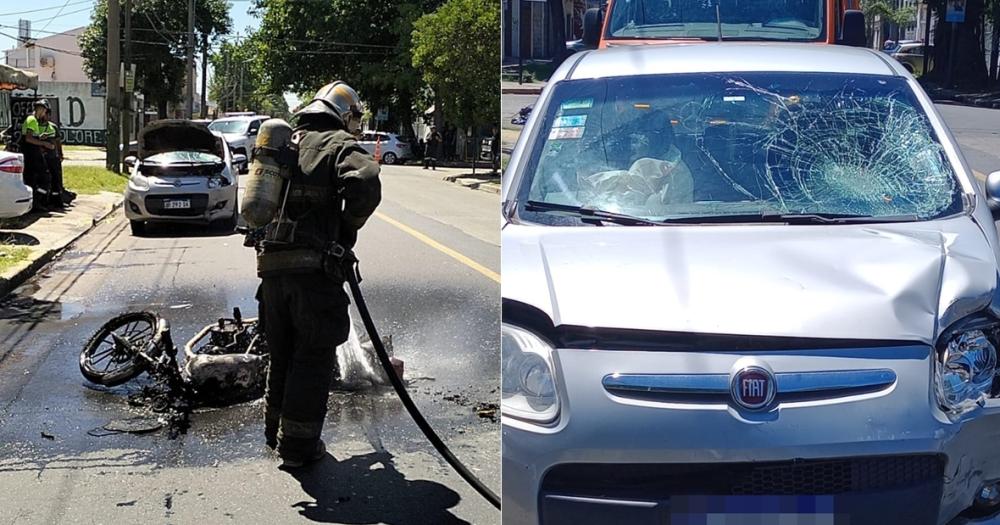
[(130, 162), (993, 193), (239, 158), (852, 32), (592, 27)]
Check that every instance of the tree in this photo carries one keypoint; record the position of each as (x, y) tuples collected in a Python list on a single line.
[(159, 37), (886, 12), (238, 83), (457, 49), (301, 46), (969, 68)]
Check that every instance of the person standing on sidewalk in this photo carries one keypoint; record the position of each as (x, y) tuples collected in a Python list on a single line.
[(58, 196), (333, 189), (37, 133), (432, 149)]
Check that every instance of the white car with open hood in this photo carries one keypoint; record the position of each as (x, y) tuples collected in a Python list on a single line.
[(183, 172), (750, 278)]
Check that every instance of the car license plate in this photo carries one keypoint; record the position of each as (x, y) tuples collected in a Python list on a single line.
[(177, 204)]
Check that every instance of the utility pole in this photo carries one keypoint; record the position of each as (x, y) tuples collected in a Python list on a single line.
[(112, 85), (126, 93), (190, 61), (239, 100), (204, 76)]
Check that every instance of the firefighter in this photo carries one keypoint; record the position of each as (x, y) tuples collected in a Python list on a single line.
[(332, 189)]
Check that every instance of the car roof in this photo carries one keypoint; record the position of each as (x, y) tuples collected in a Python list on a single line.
[(241, 117), (725, 57)]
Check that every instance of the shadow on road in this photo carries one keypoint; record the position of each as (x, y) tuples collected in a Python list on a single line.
[(368, 489), (180, 230)]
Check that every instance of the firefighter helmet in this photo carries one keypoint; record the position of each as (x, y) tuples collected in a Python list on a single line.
[(337, 100)]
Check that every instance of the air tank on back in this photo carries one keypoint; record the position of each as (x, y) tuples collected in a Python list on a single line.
[(267, 175)]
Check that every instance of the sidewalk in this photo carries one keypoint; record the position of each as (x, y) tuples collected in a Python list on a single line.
[(47, 234), (533, 88), (982, 99)]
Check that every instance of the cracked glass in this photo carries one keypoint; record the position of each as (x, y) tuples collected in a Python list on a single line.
[(699, 145)]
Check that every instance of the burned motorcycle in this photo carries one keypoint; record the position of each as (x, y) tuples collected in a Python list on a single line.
[(225, 361)]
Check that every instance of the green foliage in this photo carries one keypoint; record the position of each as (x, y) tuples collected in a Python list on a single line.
[(12, 255), (159, 37), (301, 46), (456, 48), (888, 12)]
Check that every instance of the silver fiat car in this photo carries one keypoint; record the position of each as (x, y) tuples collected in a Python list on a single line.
[(746, 283), (183, 173)]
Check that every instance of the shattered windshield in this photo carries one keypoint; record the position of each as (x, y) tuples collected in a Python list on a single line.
[(792, 20), (703, 145)]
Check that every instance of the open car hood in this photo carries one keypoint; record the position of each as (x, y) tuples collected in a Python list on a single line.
[(177, 135)]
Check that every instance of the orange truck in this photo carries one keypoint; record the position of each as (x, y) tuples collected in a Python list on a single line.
[(637, 22)]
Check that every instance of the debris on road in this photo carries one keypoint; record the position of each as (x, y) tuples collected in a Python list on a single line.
[(487, 411), (48, 436)]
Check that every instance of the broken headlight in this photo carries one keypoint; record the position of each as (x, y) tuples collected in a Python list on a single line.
[(138, 182), (217, 181), (965, 368), (528, 390)]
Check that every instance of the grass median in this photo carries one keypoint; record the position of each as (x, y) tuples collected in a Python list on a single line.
[(11, 255), (90, 180)]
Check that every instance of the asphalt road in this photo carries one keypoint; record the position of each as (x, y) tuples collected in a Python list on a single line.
[(977, 131), (430, 262)]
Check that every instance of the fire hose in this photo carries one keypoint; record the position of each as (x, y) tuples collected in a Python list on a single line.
[(353, 279)]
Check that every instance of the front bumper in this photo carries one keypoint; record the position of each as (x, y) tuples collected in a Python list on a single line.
[(206, 204), (617, 456)]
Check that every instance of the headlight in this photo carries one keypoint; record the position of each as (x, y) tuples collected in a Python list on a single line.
[(217, 181), (528, 390), (139, 182), (963, 375)]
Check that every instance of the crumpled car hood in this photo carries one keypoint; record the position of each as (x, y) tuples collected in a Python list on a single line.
[(177, 135), (902, 281)]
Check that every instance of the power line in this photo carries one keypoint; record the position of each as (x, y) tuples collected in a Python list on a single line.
[(46, 47), (62, 15), (48, 8), (56, 15)]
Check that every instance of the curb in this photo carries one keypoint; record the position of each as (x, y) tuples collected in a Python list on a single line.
[(9, 284), (487, 186), (521, 91)]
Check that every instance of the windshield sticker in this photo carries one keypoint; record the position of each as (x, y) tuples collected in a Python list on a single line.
[(574, 121), (565, 133), (579, 103)]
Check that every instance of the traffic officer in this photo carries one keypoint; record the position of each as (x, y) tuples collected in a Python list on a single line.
[(333, 189), (37, 135)]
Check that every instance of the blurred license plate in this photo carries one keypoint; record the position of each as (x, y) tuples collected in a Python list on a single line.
[(177, 205), (755, 510)]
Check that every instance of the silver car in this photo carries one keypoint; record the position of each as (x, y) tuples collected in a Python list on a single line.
[(241, 134), (183, 172), (392, 147), (755, 280)]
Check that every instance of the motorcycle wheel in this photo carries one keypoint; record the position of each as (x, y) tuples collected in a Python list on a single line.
[(111, 360)]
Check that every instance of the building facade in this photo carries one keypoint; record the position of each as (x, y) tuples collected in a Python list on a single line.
[(55, 58)]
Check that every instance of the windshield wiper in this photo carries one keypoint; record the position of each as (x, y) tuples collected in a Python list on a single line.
[(792, 218), (591, 215)]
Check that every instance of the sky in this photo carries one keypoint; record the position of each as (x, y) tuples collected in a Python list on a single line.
[(60, 15)]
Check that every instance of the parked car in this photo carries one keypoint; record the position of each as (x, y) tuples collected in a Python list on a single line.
[(183, 173), (240, 133), (911, 55), (739, 270), (393, 148), (15, 195)]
